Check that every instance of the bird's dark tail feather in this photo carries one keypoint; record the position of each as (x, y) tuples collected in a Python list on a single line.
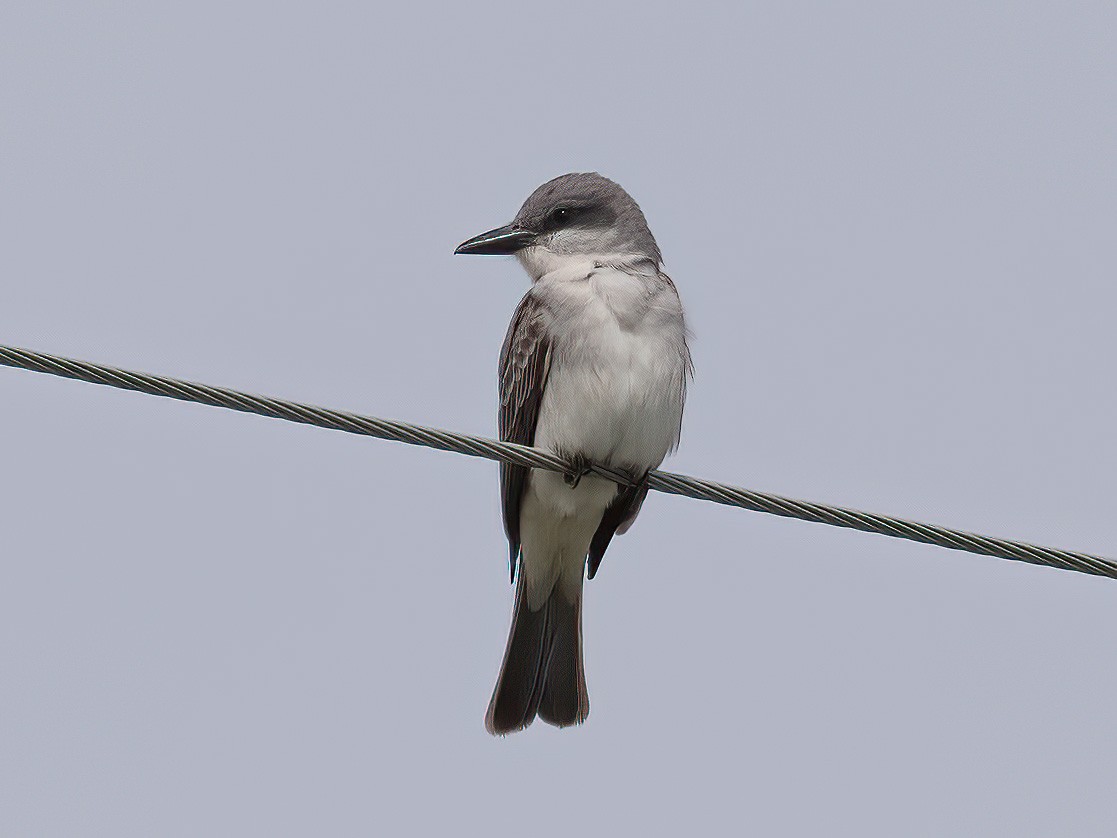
[(542, 673)]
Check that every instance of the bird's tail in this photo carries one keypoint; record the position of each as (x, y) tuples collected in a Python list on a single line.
[(542, 673)]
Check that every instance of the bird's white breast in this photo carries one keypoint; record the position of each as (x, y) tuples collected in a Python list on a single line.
[(615, 389)]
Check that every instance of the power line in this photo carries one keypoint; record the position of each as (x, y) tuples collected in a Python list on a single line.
[(491, 449)]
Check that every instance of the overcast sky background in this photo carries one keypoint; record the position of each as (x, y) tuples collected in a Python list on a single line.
[(893, 228)]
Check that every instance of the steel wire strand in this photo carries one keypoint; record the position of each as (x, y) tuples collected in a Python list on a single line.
[(475, 446)]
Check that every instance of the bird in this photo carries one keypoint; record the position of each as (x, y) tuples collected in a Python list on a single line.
[(594, 368)]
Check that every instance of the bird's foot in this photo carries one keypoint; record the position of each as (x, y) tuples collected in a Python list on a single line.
[(579, 467)]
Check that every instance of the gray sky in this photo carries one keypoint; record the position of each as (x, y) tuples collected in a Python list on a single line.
[(893, 229)]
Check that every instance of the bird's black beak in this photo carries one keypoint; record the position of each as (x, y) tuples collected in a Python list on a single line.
[(501, 241)]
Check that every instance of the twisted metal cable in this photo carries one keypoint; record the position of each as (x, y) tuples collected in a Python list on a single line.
[(474, 446)]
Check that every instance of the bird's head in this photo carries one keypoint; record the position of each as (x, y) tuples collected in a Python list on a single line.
[(576, 215)]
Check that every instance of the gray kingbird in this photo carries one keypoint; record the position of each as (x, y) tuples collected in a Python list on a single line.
[(594, 368)]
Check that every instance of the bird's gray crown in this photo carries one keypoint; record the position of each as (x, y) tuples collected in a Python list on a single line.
[(583, 212)]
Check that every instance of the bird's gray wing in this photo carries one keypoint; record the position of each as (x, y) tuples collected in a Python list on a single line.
[(525, 360), (618, 518)]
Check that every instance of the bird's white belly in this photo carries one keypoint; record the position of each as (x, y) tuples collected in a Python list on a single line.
[(614, 395), (614, 398)]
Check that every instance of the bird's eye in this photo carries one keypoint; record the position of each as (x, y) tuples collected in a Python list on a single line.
[(561, 214)]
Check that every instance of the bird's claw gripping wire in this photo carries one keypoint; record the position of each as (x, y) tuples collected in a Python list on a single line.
[(578, 468)]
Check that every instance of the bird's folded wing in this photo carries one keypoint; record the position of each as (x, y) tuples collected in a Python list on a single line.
[(525, 360)]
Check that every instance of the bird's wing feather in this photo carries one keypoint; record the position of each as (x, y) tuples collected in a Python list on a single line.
[(525, 360), (618, 517)]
